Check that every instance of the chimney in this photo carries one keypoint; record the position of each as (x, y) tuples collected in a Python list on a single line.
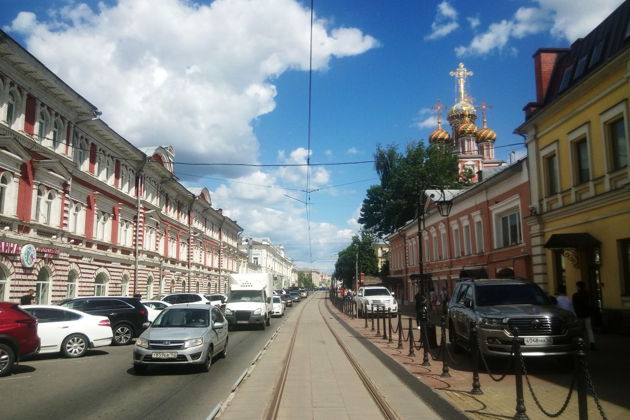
[(544, 63)]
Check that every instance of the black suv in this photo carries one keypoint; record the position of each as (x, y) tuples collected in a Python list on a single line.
[(498, 307), (126, 314)]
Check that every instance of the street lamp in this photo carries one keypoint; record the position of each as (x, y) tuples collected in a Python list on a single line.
[(444, 205)]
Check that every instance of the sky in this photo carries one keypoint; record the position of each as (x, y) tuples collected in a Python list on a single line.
[(227, 81)]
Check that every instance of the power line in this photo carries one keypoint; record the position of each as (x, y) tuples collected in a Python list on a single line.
[(308, 153)]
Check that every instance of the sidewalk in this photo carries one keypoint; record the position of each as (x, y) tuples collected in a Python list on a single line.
[(609, 367)]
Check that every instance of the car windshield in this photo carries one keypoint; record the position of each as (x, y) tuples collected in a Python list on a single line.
[(276, 299), (182, 318), (510, 294), (215, 297), (376, 292), (245, 296)]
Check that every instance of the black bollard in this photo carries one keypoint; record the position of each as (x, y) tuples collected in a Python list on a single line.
[(412, 346), (400, 344), (476, 386), (582, 389), (389, 324), (372, 313), (520, 400), (425, 345), (445, 371), (385, 316), (378, 322), (364, 316)]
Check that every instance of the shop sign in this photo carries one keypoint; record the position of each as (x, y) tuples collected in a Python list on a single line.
[(48, 252), (28, 256), (15, 249), (9, 248)]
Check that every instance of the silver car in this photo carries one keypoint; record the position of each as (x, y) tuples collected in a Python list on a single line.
[(500, 307), (187, 334)]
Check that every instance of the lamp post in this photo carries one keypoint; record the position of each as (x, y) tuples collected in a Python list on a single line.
[(444, 206)]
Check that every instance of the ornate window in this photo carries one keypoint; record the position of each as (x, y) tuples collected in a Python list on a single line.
[(11, 108), (71, 285), (42, 124), (5, 183), (57, 133)]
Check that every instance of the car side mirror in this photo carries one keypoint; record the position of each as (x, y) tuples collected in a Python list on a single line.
[(146, 325), (218, 325)]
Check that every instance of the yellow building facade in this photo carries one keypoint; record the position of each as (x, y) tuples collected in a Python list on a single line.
[(578, 146)]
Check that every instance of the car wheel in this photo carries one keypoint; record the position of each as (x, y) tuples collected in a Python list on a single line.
[(7, 358), (138, 368), (123, 333), (207, 364), (223, 353), (75, 345)]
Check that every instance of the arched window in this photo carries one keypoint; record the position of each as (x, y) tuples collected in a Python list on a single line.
[(149, 292), (100, 285), (42, 289), (123, 179), (11, 108), (104, 225), (75, 214), (57, 133), (39, 202), (124, 286), (209, 287), (42, 125), (4, 286), (102, 165), (71, 286), (183, 286), (5, 180), (79, 150), (197, 287), (50, 199), (109, 170)]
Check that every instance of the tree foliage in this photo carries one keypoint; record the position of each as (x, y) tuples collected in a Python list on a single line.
[(345, 267), (403, 177), (305, 280)]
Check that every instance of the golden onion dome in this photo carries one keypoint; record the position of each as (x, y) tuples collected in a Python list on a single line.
[(462, 110), (486, 134), (439, 135), (467, 129)]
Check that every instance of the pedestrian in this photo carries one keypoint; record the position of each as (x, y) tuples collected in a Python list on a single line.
[(28, 298), (420, 306), (563, 301), (138, 296), (582, 307)]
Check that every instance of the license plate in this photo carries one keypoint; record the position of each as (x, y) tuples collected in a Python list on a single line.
[(538, 341), (242, 322), (165, 355)]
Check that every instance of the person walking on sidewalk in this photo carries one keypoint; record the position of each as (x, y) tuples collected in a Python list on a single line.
[(582, 306), (28, 298), (563, 301)]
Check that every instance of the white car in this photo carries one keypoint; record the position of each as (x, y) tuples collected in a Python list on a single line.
[(68, 331), (217, 299), (375, 298), (278, 306), (154, 307)]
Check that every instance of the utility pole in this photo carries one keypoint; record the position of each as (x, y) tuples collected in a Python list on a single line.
[(356, 272)]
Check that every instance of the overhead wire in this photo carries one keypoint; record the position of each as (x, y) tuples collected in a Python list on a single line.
[(308, 153)]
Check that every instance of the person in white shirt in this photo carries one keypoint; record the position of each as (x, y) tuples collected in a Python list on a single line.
[(564, 302)]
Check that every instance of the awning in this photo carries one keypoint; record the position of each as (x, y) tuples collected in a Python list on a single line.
[(473, 273), (572, 240)]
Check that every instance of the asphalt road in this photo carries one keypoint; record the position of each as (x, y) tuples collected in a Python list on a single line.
[(102, 385)]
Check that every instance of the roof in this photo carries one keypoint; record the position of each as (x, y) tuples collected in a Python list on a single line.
[(588, 54)]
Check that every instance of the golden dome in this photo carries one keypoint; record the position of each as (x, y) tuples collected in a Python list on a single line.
[(467, 129), (486, 134)]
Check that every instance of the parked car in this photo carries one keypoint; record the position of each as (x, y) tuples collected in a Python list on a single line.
[(18, 336), (69, 332), (294, 295), (303, 293), (288, 301), (499, 306), (217, 299), (278, 306), (177, 298), (154, 307), (190, 334), (374, 298), (126, 314)]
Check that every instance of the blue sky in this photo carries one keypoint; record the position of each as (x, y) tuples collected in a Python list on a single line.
[(227, 81)]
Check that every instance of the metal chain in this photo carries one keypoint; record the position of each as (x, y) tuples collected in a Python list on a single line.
[(531, 391), (485, 363), (452, 356), (591, 388)]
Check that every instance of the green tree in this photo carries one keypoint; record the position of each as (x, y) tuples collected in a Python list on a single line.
[(394, 202), (305, 280), (345, 267)]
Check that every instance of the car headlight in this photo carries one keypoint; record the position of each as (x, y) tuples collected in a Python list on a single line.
[(492, 323), (142, 342), (258, 311), (228, 311), (193, 342)]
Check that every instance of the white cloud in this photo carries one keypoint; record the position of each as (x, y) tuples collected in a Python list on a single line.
[(328, 152), (445, 21), (352, 151), (566, 19), (176, 72), (426, 118), (473, 21)]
